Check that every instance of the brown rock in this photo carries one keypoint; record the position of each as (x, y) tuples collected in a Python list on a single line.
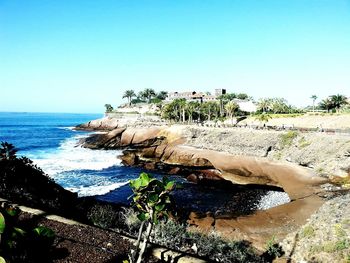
[(175, 170), (129, 158), (141, 137), (150, 166), (204, 222), (104, 124), (192, 178)]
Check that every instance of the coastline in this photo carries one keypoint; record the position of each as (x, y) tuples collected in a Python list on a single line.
[(314, 159)]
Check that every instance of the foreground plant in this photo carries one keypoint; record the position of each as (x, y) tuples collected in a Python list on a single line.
[(152, 200), (30, 245)]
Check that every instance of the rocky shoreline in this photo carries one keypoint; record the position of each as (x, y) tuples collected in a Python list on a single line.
[(302, 164)]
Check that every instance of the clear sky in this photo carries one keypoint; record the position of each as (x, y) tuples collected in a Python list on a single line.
[(75, 56)]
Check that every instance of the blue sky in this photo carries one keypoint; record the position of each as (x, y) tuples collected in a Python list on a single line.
[(75, 56)]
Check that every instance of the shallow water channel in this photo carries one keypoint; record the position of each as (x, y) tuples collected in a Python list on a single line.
[(220, 199)]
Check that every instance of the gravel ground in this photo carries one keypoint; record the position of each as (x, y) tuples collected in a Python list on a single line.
[(84, 244)]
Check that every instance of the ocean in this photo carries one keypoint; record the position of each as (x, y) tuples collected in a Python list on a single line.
[(50, 141)]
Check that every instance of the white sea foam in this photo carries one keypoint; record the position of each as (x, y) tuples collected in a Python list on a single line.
[(71, 128), (272, 199), (69, 157), (79, 169), (95, 189)]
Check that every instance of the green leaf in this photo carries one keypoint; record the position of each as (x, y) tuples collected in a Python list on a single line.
[(143, 216), (2, 223), (165, 180), (160, 207), (153, 197), (170, 185), (12, 211), (19, 231), (44, 232), (135, 184), (145, 179)]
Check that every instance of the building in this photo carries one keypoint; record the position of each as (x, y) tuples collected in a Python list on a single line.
[(189, 96), (195, 96), (244, 105), (219, 92)]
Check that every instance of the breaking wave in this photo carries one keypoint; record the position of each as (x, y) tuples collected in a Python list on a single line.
[(84, 171)]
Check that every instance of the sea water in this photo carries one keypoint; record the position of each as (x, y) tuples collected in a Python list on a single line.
[(51, 142)]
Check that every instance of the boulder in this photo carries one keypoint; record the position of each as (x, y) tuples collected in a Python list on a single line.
[(103, 124)]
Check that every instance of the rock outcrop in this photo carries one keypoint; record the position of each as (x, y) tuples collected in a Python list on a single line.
[(103, 124), (160, 147), (239, 156)]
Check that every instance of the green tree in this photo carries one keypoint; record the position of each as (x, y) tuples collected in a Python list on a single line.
[(211, 109), (162, 95), (129, 94), (314, 98), (326, 104), (182, 105), (338, 101), (141, 97), (148, 94), (108, 107), (191, 108), (231, 108), (173, 110), (152, 200), (223, 100), (264, 105), (279, 105), (263, 118), (242, 96)]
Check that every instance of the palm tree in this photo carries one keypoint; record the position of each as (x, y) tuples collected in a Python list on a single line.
[(314, 98), (338, 101), (148, 94), (230, 108), (174, 110), (223, 99), (279, 105), (211, 109), (326, 104), (182, 106), (264, 117), (192, 107), (264, 104), (129, 94)]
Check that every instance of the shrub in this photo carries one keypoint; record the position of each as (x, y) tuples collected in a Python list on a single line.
[(287, 138), (273, 250), (211, 246), (104, 216), (303, 143), (152, 200), (22, 245), (131, 221), (308, 231)]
